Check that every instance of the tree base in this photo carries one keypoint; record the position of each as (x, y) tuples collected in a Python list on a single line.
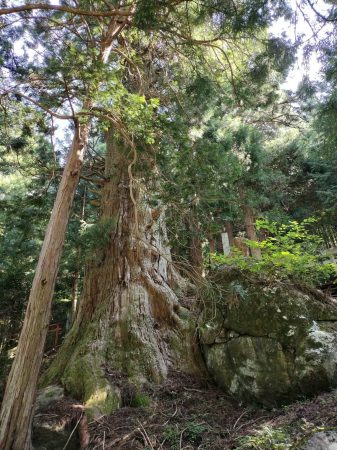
[(101, 359)]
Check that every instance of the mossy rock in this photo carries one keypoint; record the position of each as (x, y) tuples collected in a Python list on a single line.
[(268, 342), (85, 379), (48, 395), (323, 440)]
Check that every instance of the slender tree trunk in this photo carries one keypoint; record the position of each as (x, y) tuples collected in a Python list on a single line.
[(212, 243), (196, 256), (250, 225), (129, 319), (77, 274), (74, 297), (17, 407), (16, 414), (251, 230), (230, 233)]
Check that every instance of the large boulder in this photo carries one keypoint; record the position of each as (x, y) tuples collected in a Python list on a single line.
[(268, 342)]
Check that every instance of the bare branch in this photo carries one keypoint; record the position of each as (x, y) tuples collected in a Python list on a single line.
[(68, 9), (329, 18), (39, 105)]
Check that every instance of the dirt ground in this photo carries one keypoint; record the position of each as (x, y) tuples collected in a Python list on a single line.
[(186, 413)]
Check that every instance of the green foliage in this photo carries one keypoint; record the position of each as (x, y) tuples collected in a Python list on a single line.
[(189, 432), (193, 432), (140, 400), (291, 251), (172, 436), (266, 438), (216, 158)]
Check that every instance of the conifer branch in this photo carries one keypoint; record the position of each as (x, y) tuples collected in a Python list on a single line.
[(38, 104), (68, 9)]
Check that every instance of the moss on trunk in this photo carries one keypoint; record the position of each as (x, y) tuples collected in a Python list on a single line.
[(129, 318)]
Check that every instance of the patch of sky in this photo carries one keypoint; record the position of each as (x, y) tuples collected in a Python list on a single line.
[(305, 31)]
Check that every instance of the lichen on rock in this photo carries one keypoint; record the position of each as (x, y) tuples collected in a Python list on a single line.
[(272, 344)]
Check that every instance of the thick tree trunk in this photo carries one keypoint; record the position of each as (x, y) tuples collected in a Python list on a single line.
[(16, 413), (129, 319)]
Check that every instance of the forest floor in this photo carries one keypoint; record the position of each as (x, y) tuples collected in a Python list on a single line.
[(186, 413)]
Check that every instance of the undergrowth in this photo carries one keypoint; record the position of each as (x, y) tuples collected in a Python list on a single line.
[(290, 252)]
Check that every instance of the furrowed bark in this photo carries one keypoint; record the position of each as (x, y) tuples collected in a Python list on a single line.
[(16, 414), (251, 230), (249, 224), (129, 319), (17, 407)]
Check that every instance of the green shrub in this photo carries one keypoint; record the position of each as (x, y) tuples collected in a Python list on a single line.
[(291, 252), (172, 437), (193, 432)]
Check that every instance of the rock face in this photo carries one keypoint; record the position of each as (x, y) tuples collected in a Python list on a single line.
[(268, 342)]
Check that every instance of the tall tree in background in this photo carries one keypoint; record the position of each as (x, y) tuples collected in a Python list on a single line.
[(214, 153)]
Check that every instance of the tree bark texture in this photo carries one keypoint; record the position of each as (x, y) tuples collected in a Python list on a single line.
[(18, 403), (230, 232), (251, 230), (16, 414), (129, 319), (249, 224)]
